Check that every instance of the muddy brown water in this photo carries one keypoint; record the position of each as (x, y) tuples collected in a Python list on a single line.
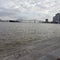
[(32, 40)]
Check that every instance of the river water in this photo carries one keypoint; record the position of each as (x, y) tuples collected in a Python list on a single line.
[(31, 40), (28, 31)]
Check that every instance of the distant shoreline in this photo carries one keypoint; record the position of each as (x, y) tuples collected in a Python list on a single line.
[(16, 21)]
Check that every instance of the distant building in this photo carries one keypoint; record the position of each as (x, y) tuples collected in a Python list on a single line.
[(56, 18), (46, 20)]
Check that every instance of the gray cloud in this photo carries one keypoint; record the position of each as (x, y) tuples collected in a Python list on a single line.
[(29, 9)]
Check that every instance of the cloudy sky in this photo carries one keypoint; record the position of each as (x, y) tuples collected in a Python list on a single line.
[(29, 9)]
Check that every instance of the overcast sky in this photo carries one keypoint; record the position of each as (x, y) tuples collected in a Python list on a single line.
[(29, 9)]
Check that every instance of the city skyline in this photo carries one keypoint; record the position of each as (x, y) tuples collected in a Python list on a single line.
[(29, 9)]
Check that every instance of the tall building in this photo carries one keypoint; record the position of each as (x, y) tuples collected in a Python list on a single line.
[(56, 18)]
